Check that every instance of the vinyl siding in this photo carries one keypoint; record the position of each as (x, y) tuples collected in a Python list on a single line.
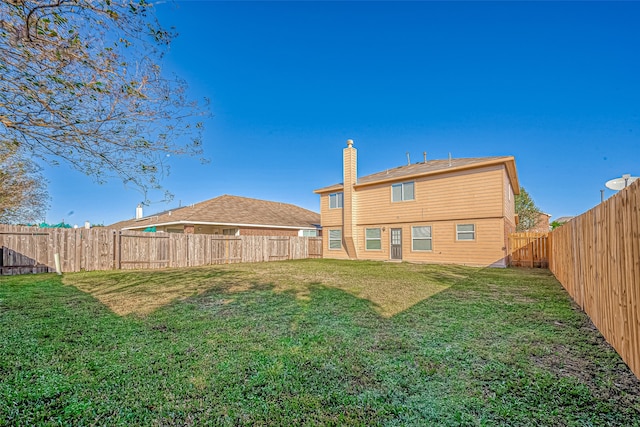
[(477, 196), (485, 250), (509, 208), (329, 217), (332, 253), (476, 193), (509, 198)]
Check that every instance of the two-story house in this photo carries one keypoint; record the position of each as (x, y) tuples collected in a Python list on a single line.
[(457, 211)]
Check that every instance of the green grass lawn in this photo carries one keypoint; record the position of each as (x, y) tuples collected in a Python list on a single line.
[(311, 342)]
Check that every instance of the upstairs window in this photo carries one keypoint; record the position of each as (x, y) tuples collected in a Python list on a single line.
[(403, 191), (465, 232), (336, 200)]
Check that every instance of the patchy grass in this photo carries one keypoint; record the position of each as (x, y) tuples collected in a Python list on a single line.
[(391, 287), (313, 342)]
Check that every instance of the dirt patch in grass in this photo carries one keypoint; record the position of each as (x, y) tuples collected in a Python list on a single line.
[(562, 363), (613, 381)]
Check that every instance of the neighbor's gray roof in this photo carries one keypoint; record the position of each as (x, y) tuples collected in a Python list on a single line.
[(230, 210), (564, 219), (432, 167)]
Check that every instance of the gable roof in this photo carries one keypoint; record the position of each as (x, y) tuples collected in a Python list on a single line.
[(564, 219), (433, 167), (230, 210)]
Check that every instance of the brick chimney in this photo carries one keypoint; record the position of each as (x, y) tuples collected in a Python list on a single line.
[(350, 178)]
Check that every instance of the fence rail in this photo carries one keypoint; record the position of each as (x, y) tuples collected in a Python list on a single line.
[(32, 250), (596, 257)]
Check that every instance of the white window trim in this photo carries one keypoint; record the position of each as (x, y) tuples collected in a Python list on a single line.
[(402, 184), (430, 239), (341, 199), (236, 231), (330, 240), (466, 240), (367, 239)]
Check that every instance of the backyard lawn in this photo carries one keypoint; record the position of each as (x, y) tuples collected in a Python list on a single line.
[(310, 342)]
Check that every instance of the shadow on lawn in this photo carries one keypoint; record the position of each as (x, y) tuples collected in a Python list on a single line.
[(391, 288), (142, 292)]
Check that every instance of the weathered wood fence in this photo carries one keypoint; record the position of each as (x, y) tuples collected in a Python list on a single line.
[(529, 249), (596, 257), (32, 250)]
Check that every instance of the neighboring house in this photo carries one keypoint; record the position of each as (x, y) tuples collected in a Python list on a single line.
[(230, 215), (563, 219), (542, 223), (458, 211)]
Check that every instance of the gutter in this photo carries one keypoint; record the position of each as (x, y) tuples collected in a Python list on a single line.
[(184, 222)]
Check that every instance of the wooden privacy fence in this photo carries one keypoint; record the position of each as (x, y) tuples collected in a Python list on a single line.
[(529, 249), (596, 257), (32, 250)]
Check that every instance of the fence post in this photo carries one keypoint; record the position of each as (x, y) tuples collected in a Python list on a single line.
[(118, 250), (78, 249), (550, 252), (187, 263)]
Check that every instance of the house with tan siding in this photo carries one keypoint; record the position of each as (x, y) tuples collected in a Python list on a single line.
[(542, 224), (457, 211), (229, 215)]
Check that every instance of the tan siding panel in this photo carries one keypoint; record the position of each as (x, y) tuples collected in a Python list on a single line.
[(477, 192), (509, 199), (330, 217), (486, 250)]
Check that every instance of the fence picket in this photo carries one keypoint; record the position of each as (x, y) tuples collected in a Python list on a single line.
[(31, 249), (596, 258), (529, 249)]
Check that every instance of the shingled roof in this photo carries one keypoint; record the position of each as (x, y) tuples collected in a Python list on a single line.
[(230, 210), (432, 167)]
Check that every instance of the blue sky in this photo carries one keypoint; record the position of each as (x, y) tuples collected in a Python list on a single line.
[(557, 85)]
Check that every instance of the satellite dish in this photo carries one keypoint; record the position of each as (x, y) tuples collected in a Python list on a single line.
[(620, 183)]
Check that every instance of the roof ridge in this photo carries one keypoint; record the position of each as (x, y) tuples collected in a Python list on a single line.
[(233, 209), (420, 168)]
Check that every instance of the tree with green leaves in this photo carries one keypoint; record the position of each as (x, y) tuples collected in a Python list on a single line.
[(81, 83), (527, 211), (556, 224), (23, 196)]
